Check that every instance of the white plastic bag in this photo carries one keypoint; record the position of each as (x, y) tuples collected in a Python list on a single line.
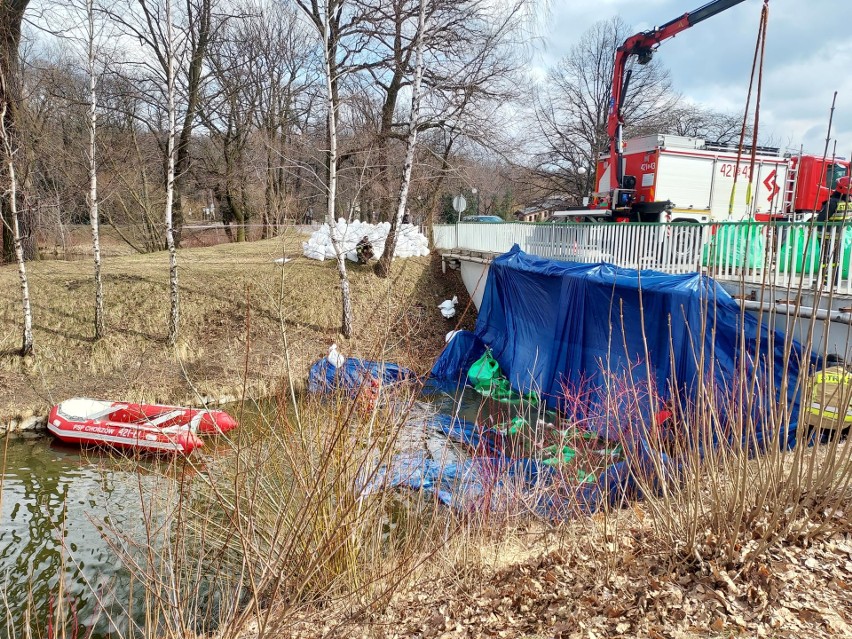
[(335, 358), (448, 307)]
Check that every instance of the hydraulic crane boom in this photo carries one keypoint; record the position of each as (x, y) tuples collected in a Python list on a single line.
[(643, 45)]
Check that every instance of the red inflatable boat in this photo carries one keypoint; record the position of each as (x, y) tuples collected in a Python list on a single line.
[(148, 427)]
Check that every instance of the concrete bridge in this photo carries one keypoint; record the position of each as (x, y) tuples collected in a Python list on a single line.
[(774, 270)]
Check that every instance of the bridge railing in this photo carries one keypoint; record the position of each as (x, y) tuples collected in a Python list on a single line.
[(778, 254)]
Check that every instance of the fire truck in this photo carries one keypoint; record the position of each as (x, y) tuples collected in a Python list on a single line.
[(681, 179)]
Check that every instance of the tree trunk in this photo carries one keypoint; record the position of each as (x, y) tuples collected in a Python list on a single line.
[(100, 322), (384, 264), (233, 202), (329, 50), (268, 212), (196, 67), (27, 345), (15, 229), (174, 315), (11, 17), (240, 215)]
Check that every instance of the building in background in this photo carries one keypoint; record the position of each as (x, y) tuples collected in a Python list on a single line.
[(542, 210)]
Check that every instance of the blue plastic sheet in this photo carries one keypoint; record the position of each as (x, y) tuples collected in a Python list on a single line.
[(473, 484), (450, 369), (456, 429), (325, 377), (560, 325)]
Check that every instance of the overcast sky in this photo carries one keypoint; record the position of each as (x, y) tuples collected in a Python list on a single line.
[(808, 57)]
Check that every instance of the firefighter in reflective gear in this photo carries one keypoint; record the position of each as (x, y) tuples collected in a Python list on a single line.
[(837, 208), (830, 410)]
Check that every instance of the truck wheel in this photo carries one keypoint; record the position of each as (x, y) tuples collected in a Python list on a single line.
[(682, 244)]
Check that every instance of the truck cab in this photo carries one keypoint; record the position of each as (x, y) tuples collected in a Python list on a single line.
[(813, 180)]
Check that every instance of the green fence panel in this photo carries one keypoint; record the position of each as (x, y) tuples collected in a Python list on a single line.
[(801, 252), (740, 245)]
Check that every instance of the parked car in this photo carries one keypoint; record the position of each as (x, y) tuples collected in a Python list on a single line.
[(483, 219)]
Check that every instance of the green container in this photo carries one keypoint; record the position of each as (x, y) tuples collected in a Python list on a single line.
[(794, 259), (740, 245), (801, 253), (487, 379), (501, 390), (517, 424), (585, 477)]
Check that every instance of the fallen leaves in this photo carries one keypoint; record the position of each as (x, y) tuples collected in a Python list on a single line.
[(790, 592)]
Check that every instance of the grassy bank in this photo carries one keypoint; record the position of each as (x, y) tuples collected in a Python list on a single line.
[(236, 304)]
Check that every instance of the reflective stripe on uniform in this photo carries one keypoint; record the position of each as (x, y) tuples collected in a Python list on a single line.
[(830, 415), (843, 210), (832, 378), (831, 396), (816, 408)]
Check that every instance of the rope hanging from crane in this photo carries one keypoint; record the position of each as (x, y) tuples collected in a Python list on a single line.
[(756, 69)]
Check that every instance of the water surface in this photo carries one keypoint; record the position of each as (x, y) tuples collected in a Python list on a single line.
[(60, 506)]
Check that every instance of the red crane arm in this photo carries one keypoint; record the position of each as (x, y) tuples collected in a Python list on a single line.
[(642, 45)]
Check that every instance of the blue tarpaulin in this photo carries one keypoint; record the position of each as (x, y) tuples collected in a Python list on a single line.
[(354, 372), (554, 326), (450, 369), (471, 484), (622, 341)]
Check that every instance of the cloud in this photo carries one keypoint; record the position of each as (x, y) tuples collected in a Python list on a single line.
[(807, 59)]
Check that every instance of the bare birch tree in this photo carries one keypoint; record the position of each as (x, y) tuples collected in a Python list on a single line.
[(473, 63), (327, 19), (13, 223), (163, 48), (11, 18), (192, 27), (174, 305), (384, 263), (94, 219)]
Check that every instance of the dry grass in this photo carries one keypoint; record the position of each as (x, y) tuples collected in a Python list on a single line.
[(732, 545), (220, 287)]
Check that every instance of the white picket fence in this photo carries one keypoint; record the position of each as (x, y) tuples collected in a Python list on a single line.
[(776, 254)]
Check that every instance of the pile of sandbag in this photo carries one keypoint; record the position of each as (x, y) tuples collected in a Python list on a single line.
[(410, 242)]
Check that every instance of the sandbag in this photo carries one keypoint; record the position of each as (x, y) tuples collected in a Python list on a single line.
[(410, 241), (484, 371), (740, 245)]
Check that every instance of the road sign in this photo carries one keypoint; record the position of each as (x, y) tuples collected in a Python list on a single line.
[(459, 203)]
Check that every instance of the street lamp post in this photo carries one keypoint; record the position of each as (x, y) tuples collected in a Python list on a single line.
[(475, 193)]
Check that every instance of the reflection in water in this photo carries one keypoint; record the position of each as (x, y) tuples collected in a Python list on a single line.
[(56, 502)]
